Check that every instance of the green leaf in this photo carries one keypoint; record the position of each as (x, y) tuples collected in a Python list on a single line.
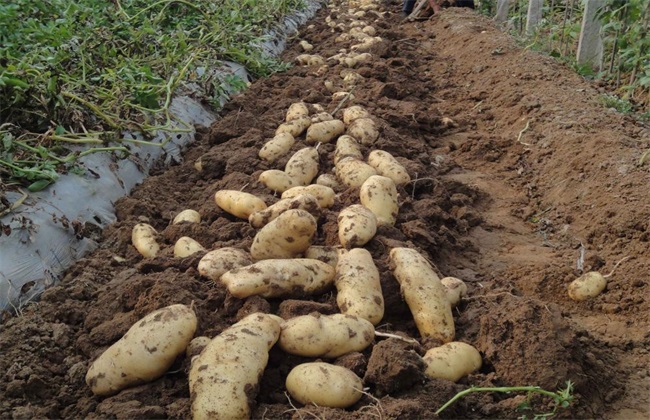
[(39, 185)]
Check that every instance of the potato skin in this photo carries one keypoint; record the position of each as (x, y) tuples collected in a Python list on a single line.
[(218, 261), (326, 254), (424, 294), (294, 127), (324, 385), (238, 203), (354, 113), (324, 132), (587, 286), (379, 194), (143, 237), (188, 216), (277, 180), (145, 352), (455, 288), (305, 202), (186, 246), (328, 180), (276, 147), (364, 130), (347, 146), (225, 376), (297, 110), (357, 226), (324, 195), (359, 289), (353, 172), (302, 167), (290, 234), (386, 165), (452, 361)]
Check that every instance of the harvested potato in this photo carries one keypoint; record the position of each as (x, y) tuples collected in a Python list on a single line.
[(424, 294), (324, 195), (364, 130), (238, 203), (328, 180), (357, 226), (302, 167), (590, 284), (354, 113), (369, 30), (306, 46), (310, 60), (326, 254), (186, 246), (321, 117), (188, 216), (279, 278), (277, 147), (290, 234), (347, 146), (218, 261), (379, 194), (297, 110), (143, 238), (145, 352), (324, 132), (363, 58), (277, 180), (294, 127), (452, 361), (352, 79), (305, 202), (197, 345), (324, 385), (386, 165), (353, 172), (224, 378), (329, 336), (456, 289), (339, 96), (358, 287)]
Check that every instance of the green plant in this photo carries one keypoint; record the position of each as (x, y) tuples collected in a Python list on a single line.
[(613, 101)]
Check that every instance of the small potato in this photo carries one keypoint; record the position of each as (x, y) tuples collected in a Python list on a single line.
[(218, 261), (310, 60), (305, 202), (339, 96), (456, 289), (324, 385), (386, 165), (238, 203), (145, 352), (196, 346), (353, 172), (302, 167), (279, 278), (369, 30), (358, 286), (354, 113), (328, 180), (188, 216), (297, 110), (364, 130), (357, 226), (294, 127), (352, 79), (290, 234), (320, 117), (277, 147), (363, 58), (379, 194), (452, 361), (186, 246), (347, 146), (324, 195), (324, 132), (306, 46), (587, 286), (326, 254), (277, 180), (143, 238)]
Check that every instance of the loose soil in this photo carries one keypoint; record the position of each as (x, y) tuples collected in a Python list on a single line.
[(531, 170)]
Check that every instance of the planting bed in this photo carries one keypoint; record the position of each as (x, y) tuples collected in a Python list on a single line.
[(530, 171)]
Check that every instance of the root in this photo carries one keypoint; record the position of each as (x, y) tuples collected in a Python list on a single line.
[(616, 266)]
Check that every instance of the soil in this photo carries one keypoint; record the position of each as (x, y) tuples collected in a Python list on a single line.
[(529, 173)]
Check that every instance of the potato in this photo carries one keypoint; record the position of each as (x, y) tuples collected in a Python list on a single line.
[(362, 58), (328, 180), (324, 132), (364, 130), (279, 278), (339, 96), (456, 289), (320, 117), (353, 172), (302, 167), (143, 238), (186, 246), (297, 110), (347, 146), (277, 147), (324, 195), (305, 202), (290, 234), (218, 261), (328, 336), (324, 385), (196, 346), (351, 79), (294, 127), (379, 194), (452, 361), (424, 294), (310, 60), (326, 254), (358, 286), (277, 180), (224, 378), (369, 30), (357, 226), (386, 165), (587, 286), (238, 203), (306, 46), (145, 352), (189, 216), (354, 113)]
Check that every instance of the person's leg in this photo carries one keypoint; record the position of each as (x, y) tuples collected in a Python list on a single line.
[(408, 6)]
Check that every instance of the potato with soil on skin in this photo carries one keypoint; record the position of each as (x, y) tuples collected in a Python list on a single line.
[(196, 346), (186, 246), (145, 352), (386, 165), (321, 117), (326, 254), (379, 194), (357, 226), (364, 130), (324, 385), (324, 132), (305, 202), (238, 203), (358, 286), (290, 234), (302, 167), (277, 180), (354, 113), (310, 60), (587, 286), (306, 46), (424, 294), (143, 238), (277, 147), (328, 180), (324, 195), (340, 95), (353, 172), (452, 361), (187, 216), (294, 127), (218, 261), (224, 379), (279, 278), (347, 146), (297, 110), (456, 290)]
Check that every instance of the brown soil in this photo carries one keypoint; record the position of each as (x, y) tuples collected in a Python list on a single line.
[(504, 208)]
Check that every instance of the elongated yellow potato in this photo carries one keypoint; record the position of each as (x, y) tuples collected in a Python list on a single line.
[(224, 378), (294, 127), (324, 132), (347, 146), (357, 226), (238, 203), (456, 289), (320, 117), (324, 195), (424, 294), (277, 180), (364, 130), (279, 278), (302, 167), (452, 361), (324, 385), (310, 60), (379, 194), (188, 216), (328, 180), (218, 261), (297, 110), (358, 287), (326, 254), (186, 246), (145, 352), (386, 165), (143, 238), (353, 172), (305, 202), (289, 235), (277, 147)]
